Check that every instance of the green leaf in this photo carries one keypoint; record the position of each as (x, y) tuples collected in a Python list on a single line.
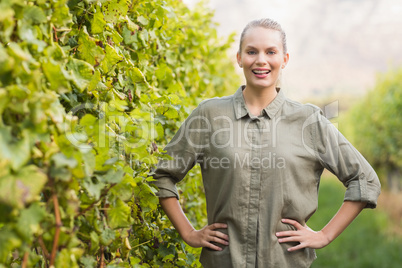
[(90, 52), (56, 75), (115, 9), (61, 15), (111, 58), (160, 131), (8, 242), (23, 187), (67, 258), (166, 250), (4, 99), (89, 160), (94, 241), (174, 99), (17, 51), (117, 38), (15, 150), (136, 75), (7, 22), (169, 257), (29, 221), (113, 176), (134, 261), (171, 113), (129, 36), (88, 261), (111, 161), (164, 74), (94, 188), (89, 122), (98, 23), (60, 160), (35, 14), (107, 237), (131, 25), (125, 189), (81, 73), (119, 215), (144, 21), (96, 82), (148, 200)]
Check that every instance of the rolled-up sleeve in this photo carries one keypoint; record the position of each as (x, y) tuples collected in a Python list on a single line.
[(185, 149), (339, 156)]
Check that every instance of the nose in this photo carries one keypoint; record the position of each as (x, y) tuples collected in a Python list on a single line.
[(261, 59)]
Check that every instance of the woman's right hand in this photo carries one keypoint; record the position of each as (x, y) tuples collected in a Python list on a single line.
[(208, 234), (194, 238)]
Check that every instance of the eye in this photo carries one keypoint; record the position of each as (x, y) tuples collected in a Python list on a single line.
[(251, 52), (271, 53)]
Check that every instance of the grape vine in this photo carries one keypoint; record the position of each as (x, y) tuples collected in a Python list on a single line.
[(90, 92)]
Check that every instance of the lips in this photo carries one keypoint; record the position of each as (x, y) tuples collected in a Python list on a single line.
[(261, 71)]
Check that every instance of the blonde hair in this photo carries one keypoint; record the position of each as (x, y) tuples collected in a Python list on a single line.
[(267, 24)]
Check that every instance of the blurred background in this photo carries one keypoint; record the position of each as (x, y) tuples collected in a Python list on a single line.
[(346, 57), (335, 46)]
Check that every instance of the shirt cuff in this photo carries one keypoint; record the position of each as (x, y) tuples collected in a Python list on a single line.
[(358, 192), (167, 188)]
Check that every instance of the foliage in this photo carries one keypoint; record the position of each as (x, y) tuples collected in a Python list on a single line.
[(88, 90), (366, 243), (374, 125)]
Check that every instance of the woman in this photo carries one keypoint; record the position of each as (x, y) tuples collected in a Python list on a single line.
[(261, 157)]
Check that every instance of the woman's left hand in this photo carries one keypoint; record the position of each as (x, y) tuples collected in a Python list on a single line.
[(304, 235)]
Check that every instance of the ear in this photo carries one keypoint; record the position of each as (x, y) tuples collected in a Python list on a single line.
[(285, 60), (239, 59)]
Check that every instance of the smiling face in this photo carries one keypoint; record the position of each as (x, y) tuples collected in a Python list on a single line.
[(262, 58)]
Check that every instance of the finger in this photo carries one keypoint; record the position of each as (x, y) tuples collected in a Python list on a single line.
[(286, 233), (218, 226), (289, 239), (300, 246), (219, 240), (220, 235), (293, 222), (212, 246)]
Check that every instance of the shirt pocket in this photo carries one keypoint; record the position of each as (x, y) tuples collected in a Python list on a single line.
[(280, 227), (214, 258)]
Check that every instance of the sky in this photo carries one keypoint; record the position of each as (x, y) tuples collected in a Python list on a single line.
[(337, 47)]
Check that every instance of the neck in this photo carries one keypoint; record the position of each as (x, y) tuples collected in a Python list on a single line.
[(257, 100)]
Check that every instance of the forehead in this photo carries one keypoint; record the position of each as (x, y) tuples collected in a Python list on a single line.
[(262, 37)]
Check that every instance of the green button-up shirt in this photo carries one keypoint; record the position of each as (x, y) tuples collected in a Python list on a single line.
[(259, 169)]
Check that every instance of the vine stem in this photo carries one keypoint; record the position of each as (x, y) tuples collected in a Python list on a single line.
[(57, 232), (55, 34), (25, 260), (102, 260), (44, 250), (136, 246)]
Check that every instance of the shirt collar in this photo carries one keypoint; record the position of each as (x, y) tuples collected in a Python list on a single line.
[(241, 108)]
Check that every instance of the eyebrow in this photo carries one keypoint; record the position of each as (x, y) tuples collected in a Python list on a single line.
[(271, 47)]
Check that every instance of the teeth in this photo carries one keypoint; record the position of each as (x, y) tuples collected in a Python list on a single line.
[(260, 72)]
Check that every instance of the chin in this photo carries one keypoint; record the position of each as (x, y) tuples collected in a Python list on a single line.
[(263, 86)]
